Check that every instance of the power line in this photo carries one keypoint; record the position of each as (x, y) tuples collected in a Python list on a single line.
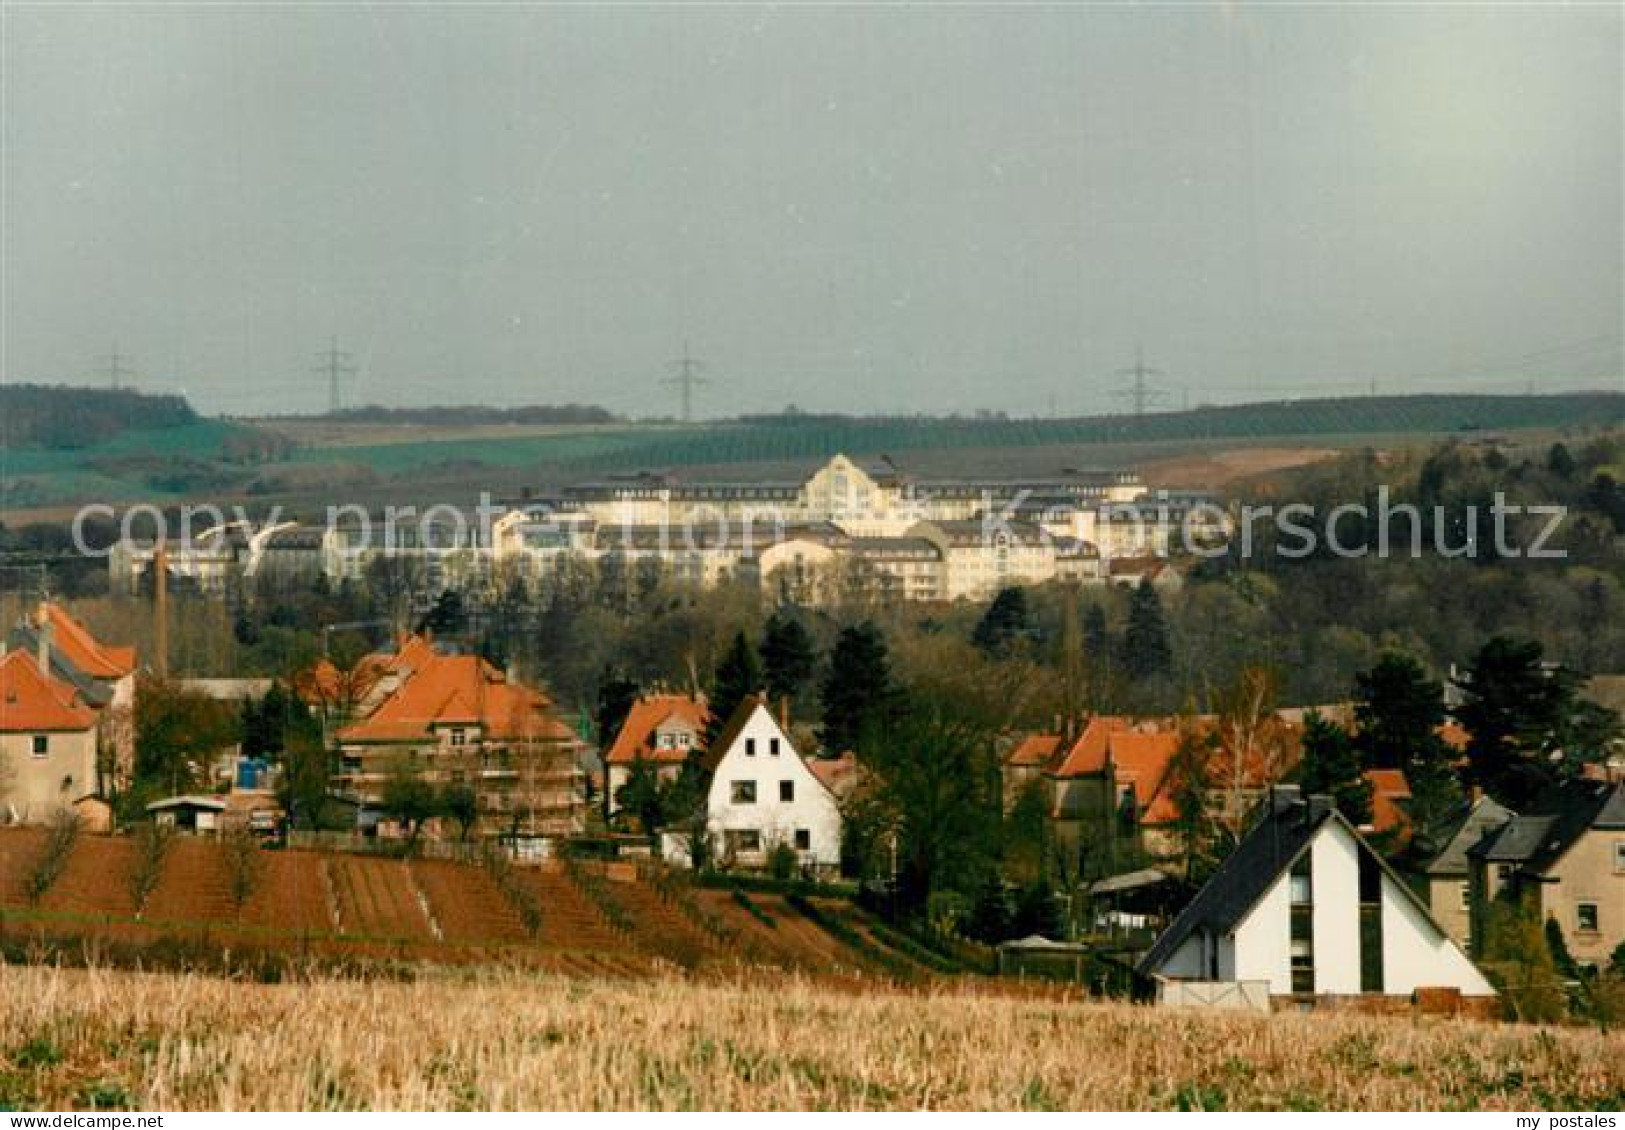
[(686, 379), (335, 363), (115, 367), (1141, 392)]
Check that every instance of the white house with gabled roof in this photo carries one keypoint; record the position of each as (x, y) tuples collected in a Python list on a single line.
[(763, 794)]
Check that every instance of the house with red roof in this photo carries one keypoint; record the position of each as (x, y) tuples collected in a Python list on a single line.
[(48, 741), (457, 720), (661, 730), (104, 676), (1111, 789)]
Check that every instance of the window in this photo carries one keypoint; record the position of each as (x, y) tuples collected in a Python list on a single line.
[(42, 745), (787, 791), (773, 746), (803, 839), (743, 839), (1302, 891), (1466, 897), (1586, 917), (685, 740), (750, 747), (459, 737), (1619, 857), (1301, 930), (743, 792), (1503, 871)]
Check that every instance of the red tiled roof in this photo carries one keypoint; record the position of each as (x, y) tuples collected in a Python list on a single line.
[(325, 683), (636, 741), (87, 654), (837, 774), (1141, 761), (31, 700), (451, 690), (1389, 790), (1035, 750), (1088, 753)]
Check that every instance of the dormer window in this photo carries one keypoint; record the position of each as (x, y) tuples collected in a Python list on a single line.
[(684, 741), (459, 737)]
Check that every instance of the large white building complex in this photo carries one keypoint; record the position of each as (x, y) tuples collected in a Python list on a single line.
[(845, 526)]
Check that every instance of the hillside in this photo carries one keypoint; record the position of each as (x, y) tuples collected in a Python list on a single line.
[(511, 1040), (575, 919), (565, 454)]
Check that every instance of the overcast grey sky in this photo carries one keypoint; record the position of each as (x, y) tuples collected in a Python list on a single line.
[(870, 210)]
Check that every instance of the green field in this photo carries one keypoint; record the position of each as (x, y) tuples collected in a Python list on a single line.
[(600, 450), (153, 464)]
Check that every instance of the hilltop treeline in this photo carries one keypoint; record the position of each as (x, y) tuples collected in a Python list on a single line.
[(60, 417), (473, 414)]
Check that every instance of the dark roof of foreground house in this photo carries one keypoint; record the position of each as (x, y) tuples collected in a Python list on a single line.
[(1565, 813), (1285, 825)]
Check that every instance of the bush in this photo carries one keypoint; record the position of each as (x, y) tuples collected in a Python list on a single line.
[(58, 846), (782, 861), (152, 842)]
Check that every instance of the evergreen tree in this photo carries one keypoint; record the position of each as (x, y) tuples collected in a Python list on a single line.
[(1515, 709), (858, 695), (1037, 912), (448, 617), (737, 675), (616, 696), (1398, 711), (1331, 766), (1559, 462), (990, 912), (1145, 640), (789, 659), (1097, 640), (1006, 621)]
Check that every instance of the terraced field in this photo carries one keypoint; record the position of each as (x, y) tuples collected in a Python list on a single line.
[(590, 921), (378, 899)]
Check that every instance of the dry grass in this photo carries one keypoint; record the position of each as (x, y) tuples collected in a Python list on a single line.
[(499, 1040)]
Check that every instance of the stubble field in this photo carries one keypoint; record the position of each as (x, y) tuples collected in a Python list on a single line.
[(504, 1040)]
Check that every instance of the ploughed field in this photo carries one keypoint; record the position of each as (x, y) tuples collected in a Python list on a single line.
[(580, 920), (493, 1037)]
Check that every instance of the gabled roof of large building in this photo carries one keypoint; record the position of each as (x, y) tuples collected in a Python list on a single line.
[(459, 690), (88, 655), (1470, 826), (1534, 842), (33, 700), (636, 740)]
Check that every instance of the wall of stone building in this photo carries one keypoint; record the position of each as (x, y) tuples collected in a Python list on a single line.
[(1588, 873)]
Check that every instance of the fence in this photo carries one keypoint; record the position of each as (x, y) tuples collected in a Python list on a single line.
[(1241, 996)]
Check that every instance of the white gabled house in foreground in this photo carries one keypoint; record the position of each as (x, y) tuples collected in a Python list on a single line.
[(1305, 910), (763, 794)]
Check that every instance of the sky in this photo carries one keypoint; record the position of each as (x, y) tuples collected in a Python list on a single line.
[(923, 209)]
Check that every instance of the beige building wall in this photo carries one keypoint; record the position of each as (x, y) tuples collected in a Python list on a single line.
[(36, 785), (1590, 874)]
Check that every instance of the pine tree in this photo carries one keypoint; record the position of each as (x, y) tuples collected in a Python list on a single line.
[(1006, 621), (738, 674), (1515, 709), (858, 695), (1145, 640), (1398, 711), (1097, 640), (1331, 766), (789, 659)]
